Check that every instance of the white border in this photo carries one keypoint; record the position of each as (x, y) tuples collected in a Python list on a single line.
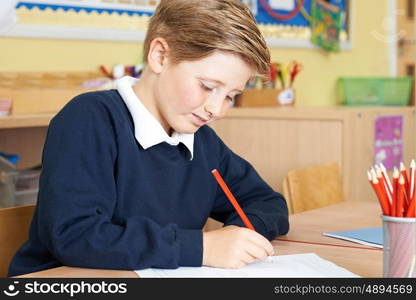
[(74, 33)]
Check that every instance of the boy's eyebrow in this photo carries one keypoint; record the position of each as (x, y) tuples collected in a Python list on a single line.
[(220, 83)]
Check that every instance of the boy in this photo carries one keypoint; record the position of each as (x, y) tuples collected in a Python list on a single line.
[(126, 180)]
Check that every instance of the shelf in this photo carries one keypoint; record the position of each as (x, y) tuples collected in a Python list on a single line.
[(25, 121)]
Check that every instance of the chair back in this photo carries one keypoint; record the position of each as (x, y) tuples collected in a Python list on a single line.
[(14, 231), (313, 187)]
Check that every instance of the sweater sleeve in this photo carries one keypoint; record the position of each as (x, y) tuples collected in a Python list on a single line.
[(77, 201), (265, 208)]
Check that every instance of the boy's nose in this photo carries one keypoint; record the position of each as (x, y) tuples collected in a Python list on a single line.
[(213, 107)]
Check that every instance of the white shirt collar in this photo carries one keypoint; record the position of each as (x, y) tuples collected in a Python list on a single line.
[(147, 130)]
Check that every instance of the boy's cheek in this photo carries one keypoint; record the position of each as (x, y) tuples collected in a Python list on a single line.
[(190, 100)]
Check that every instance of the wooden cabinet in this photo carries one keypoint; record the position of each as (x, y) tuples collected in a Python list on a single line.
[(276, 140)]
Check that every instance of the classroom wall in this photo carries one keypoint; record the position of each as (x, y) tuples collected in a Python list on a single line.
[(315, 86)]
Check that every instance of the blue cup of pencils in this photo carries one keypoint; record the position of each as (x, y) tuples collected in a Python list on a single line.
[(397, 202)]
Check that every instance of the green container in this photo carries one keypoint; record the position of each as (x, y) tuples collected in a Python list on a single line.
[(393, 91)]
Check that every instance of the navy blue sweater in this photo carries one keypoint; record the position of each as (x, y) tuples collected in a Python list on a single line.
[(105, 202)]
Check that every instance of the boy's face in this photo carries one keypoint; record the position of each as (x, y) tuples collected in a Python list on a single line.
[(191, 94)]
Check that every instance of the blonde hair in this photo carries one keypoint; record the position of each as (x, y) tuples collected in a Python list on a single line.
[(194, 29)]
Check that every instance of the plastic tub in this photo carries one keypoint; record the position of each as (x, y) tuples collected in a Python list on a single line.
[(394, 91), (7, 188), (19, 188), (26, 197)]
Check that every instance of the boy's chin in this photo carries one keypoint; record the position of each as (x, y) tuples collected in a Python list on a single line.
[(187, 129)]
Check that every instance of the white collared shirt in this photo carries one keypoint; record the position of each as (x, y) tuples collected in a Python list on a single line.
[(147, 130)]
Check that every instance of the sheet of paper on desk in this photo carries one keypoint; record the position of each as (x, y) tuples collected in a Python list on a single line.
[(295, 265)]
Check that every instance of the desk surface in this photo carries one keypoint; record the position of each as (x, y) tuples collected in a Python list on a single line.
[(306, 229)]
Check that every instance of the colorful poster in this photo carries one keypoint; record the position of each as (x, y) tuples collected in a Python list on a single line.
[(326, 25), (389, 141)]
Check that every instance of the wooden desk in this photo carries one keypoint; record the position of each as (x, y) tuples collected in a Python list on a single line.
[(306, 227), (348, 215)]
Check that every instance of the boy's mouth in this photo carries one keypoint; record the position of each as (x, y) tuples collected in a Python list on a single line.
[(198, 120)]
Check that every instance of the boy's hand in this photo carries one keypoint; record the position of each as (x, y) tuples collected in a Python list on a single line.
[(234, 247)]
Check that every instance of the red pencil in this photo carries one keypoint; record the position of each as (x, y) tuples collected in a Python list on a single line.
[(406, 179), (230, 197), (386, 178), (396, 175), (412, 179), (400, 197), (382, 197), (383, 184), (410, 212)]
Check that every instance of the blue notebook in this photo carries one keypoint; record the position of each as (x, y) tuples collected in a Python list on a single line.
[(366, 236)]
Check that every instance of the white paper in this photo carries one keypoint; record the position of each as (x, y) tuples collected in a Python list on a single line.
[(288, 5), (296, 265), (7, 14)]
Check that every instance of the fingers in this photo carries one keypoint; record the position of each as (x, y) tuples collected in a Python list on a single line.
[(250, 254), (256, 251), (246, 259), (234, 247), (260, 241)]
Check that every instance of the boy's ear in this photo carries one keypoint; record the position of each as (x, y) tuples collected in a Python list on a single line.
[(158, 53)]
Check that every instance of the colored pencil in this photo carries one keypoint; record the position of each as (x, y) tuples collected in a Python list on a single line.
[(232, 199)]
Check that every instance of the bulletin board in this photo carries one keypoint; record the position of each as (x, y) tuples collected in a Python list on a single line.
[(284, 23), (287, 22)]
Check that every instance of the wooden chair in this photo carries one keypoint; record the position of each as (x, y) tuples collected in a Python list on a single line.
[(313, 187), (14, 231)]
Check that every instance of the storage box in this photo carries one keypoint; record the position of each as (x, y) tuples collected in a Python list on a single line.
[(19, 188), (7, 188), (26, 197), (394, 91), (27, 180), (265, 97), (27, 187), (7, 182)]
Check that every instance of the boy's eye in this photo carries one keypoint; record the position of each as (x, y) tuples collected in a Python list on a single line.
[(232, 99), (205, 87)]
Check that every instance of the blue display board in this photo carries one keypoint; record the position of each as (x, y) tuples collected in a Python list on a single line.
[(292, 32), (263, 17)]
